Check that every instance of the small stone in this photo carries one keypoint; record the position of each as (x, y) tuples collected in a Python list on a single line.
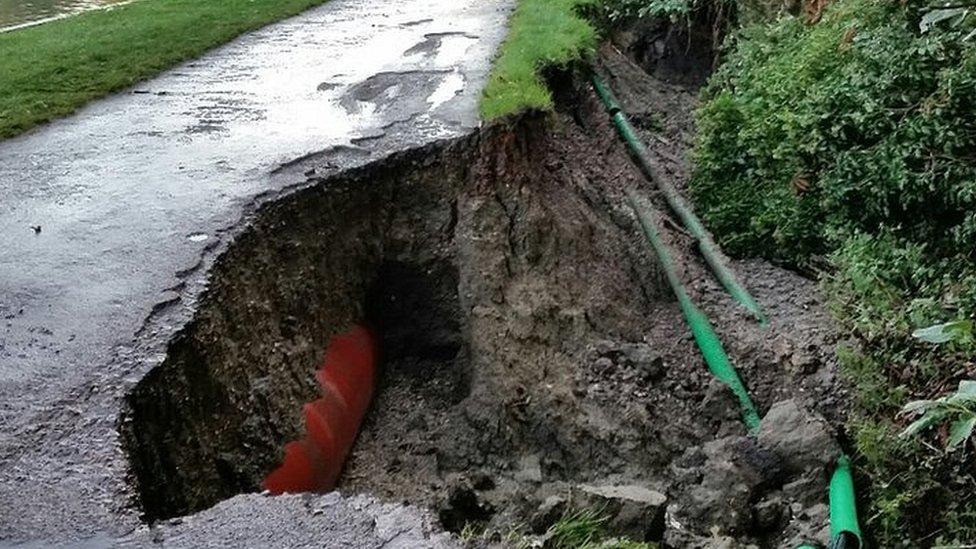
[(803, 362), (530, 469), (648, 363), (603, 347), (603, 365), (719, 402)]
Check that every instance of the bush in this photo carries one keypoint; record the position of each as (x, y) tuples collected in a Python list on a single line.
[(854, 140), (619, 10), (812, 133)]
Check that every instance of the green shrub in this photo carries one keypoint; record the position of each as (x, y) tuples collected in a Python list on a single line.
[(617, 10), (854, 140), (859, 123)]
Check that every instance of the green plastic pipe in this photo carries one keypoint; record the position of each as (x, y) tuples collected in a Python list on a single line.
[(706, 245), (708, 341), (605, 96), (845, 533)]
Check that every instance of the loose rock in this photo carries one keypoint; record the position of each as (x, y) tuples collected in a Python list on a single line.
[(635, 512)]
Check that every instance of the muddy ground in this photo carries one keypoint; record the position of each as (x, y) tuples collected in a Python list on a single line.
[(534, 358)]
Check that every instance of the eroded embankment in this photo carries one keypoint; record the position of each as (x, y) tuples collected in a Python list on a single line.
[(532, 357)]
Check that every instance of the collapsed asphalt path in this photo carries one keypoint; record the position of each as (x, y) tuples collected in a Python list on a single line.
[(110, 220)]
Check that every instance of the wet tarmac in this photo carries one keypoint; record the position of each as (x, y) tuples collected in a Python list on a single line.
[(110, 219)]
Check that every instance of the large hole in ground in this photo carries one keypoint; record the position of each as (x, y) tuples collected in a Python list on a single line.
[(488, 265), (530, 349), (499, 272), (210, 421)]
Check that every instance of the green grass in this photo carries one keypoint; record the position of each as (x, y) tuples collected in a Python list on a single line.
[(575, 529), (542, 33), (585, 529), (50, 70)]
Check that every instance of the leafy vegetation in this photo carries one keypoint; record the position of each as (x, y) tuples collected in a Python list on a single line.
[(542, 33), (849, 144), (618, 10), (959, 407), (52, 69)]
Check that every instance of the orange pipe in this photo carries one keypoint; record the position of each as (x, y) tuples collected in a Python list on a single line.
[(346, 379)]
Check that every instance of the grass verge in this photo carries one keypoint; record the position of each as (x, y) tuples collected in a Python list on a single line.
[(50, 70), (542, 33)]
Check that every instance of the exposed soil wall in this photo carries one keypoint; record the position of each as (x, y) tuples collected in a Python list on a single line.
[(491, 258), (547, 267)]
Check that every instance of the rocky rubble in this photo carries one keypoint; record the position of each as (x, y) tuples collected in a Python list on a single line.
[(759, 485)]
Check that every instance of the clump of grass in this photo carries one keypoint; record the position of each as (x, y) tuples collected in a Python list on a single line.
[(472, 531), (584, 529), (50, 70), (541, 33), (577, 529)]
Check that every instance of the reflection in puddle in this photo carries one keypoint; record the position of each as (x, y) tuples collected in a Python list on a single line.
[(450, 86), (445, 48)]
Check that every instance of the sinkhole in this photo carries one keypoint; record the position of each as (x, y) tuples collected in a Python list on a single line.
[(527, 349), (498, 277), (370, 246)]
